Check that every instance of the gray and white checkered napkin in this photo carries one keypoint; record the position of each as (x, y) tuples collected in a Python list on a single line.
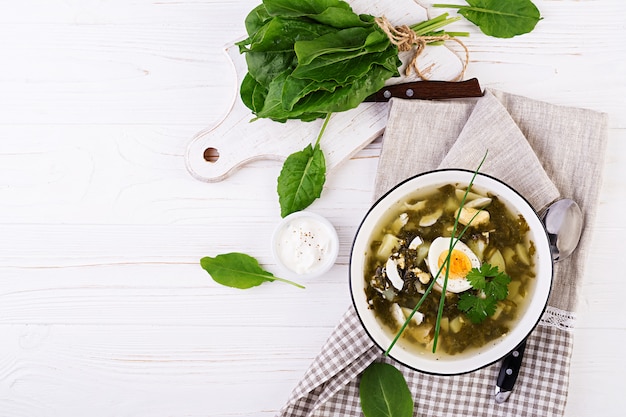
[(544, 152)]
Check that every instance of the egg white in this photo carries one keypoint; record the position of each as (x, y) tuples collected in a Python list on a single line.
[(442, 245)]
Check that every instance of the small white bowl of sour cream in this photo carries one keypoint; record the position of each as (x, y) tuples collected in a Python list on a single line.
[(305, 245)]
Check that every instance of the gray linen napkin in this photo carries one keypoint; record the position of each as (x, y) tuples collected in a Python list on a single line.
[(544, 152)]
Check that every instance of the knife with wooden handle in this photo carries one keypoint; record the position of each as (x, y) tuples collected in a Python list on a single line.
[(428, 90)]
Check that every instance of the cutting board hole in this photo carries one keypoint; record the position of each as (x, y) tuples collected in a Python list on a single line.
[(211, 155)]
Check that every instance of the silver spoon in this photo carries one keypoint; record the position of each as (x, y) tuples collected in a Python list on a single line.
[(563, 221)]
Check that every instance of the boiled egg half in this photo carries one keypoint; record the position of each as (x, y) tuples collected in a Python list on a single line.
[(462, 260)]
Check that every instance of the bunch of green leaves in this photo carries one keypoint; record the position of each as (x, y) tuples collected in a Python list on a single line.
[(239, 270), (491, 286), (499, 18), (384, 392), (308, 58)]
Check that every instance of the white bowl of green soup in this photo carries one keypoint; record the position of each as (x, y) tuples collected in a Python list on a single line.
[(449, 278)]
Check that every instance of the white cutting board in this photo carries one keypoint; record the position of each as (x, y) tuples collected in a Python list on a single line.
[(238, 141)]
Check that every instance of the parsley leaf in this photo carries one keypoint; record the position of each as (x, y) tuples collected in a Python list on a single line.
[(498, 286), (477, 276), (491, 286), (477, 308), (476, 279)]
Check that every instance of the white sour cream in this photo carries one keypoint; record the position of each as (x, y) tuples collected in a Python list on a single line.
[(305, 244)]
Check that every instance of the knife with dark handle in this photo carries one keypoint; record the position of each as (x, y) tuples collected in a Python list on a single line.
[(428, 90), (509, 370)]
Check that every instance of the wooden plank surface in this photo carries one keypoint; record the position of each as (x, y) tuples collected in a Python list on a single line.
[(104, 310)]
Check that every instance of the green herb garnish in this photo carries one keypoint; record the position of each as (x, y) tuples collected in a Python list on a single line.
[(384, 392), (239, 270), (302, 177), (499, 18), (446, 263), (491, 285)]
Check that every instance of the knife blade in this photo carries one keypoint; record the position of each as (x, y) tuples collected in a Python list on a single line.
[(509, 371), (428, 90)]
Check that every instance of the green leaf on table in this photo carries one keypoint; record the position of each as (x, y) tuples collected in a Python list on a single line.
[(499, 18), (384, 392), (301, 179), (238, 270)]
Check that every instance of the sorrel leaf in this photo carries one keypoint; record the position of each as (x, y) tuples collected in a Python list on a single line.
[(498, 18), (256, 19), (320, 44), (238, 270), (301, 179), (255, 93), (333, 13), (384, 392)]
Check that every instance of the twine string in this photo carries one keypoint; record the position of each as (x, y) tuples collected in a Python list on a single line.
[(406, 39)]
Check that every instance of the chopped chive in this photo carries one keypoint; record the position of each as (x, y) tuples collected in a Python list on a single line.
[(445, 264), (447, 260)]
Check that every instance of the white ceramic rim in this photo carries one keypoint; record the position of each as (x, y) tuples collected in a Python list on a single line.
[(490, 354), (332, 254)]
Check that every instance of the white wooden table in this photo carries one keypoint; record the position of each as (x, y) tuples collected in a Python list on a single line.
[(104, 310)]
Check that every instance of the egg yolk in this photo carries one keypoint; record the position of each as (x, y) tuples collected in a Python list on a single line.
[(460, 264)]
